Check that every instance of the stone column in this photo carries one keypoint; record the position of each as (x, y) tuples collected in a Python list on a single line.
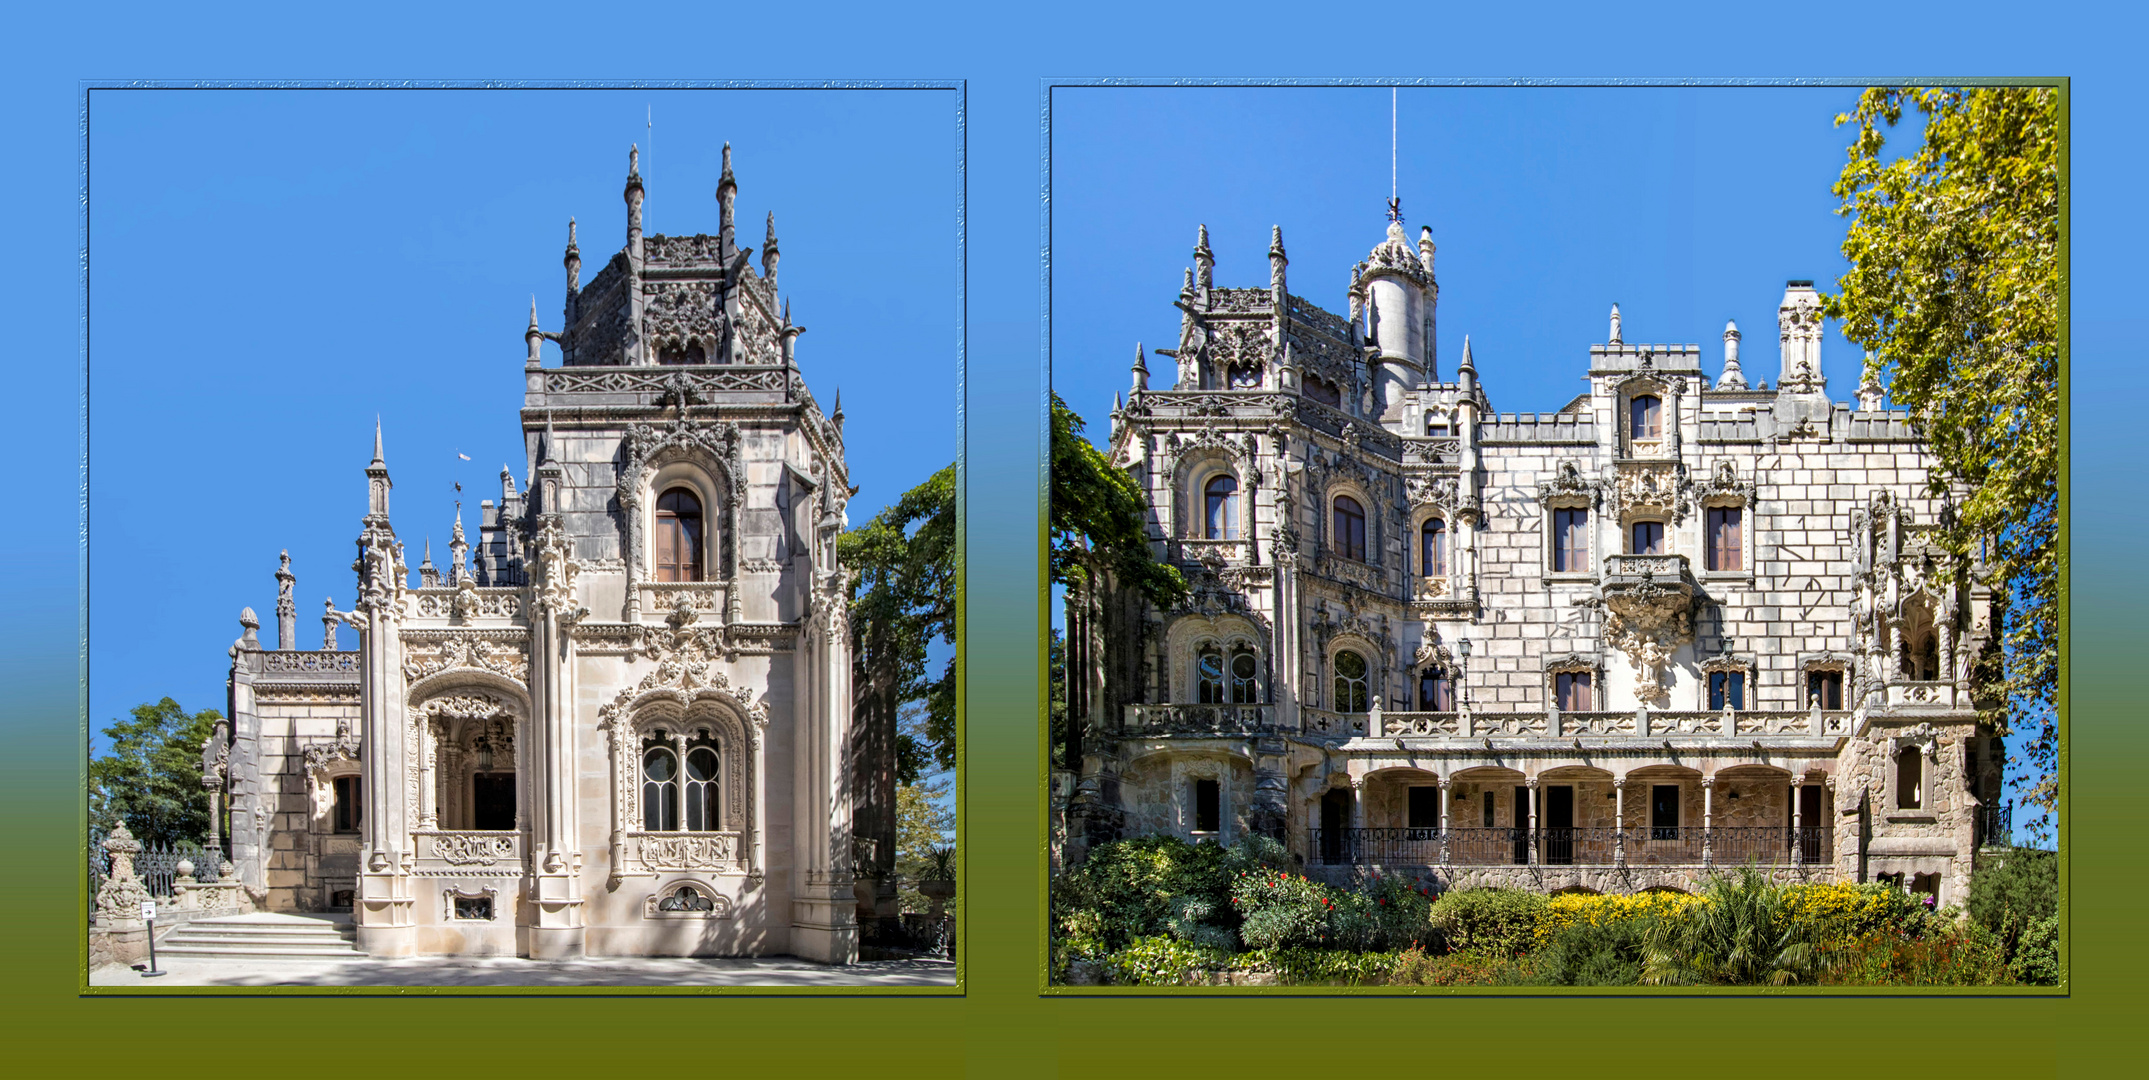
[(556, 925), (1445, 785), (1708, 818), (1531, 784), (1798, 819), (429, 775), (1619, 821)]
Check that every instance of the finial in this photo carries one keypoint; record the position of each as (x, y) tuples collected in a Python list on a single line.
[(1186, 288), (769, 255), (377, 458), (533, 311), (1141, 368), (1426, 248), (1615, 325), (1466, 361), (1395, 211), (1118, 403), (634, 159), (1733, 378), (1275, 241), (428, 561), (1201, 240), (837, 415), (726, 180), (1204, 262), (571, 234)]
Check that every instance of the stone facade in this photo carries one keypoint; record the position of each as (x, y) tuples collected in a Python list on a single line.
[(1677, 625), (618, 723)]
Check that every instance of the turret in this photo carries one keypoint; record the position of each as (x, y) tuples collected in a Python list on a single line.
[(533, 337), (1612, 335), (1733, 378), (1798, 322), (1400, 301)]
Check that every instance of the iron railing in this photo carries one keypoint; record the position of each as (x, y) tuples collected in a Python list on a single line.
[(1559, 846), (1995, 824)]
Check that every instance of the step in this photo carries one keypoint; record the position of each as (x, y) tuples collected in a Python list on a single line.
[(207, 940), (262, 952)]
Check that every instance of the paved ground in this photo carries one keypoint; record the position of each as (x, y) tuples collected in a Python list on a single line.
[(509, 971)]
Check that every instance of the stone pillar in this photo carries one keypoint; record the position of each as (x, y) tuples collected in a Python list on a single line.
[(286, 611), (1358, 802), (1708, 818), (1619, 821), (1445, 785), (1531, 784), (429, 774), (1284, 657), (824, 907), (556, 924), (1798, 819), (249, 818)]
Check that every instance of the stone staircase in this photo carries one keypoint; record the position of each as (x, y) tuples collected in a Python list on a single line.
[(263, 936)]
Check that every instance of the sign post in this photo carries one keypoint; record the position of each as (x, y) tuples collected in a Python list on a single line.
[(149, 921)]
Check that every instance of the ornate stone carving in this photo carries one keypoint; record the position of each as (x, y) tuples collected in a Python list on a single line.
[(472, 849), (120, 898), (1648, 622), (1567, 483), (471, 653), (688, 851), (1650, 486)]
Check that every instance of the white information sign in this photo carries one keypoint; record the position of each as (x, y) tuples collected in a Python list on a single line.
[(149, 910)]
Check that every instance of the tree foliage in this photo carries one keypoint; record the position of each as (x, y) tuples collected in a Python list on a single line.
[(151, 777), (1098, 518), (1954, 287), (904, 567)]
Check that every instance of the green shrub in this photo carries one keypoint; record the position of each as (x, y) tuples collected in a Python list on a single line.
[(1416, 967), (1152, 885), (1325, 967), (1500, 922), (1743, 933), (2011, 891), (1965, 955), (2036, 956), (1399, 908), (1162, 961), (1594, 954), (1279, 910)]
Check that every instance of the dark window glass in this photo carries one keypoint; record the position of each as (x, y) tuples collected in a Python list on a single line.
[(1433, 548), (1571, 689), (1209, 676), (1824, 688), (660, 790), (1245, 680), (1436, 691), (1350, 682), (1664, 812), (1570, 541), (1424, 807), (1725, 550), (348, 811), (701, 790), (1909, 778), (1647, 414), (1323, 391), (1491, 812), (1208, 806), (1222, 494), (1648, 538), (1727, 688), (678, 540), (1350, 528)]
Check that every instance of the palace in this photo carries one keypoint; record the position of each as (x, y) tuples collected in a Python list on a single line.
[(1678, 625), (618, 723)]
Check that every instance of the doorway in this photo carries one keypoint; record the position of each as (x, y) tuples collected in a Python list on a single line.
[(1520, 830), (492, 801), (1811, 823), (1559, 825), (1335, 811)]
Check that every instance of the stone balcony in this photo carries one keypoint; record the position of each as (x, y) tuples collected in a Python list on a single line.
[(1919, 696), (469, 852), (1221, 720), (1657, 725)]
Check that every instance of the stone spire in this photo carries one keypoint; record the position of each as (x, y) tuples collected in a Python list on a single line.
[(1204, 261), (634, 196), (377, 482), (533, 337), (458, 549), (1358, 300), (1426, 249), (250, 626), (1615, 339), (1276, 258), (286, 611), (428, 574), (1186, 287), (1733, 379), (1140, 369), (836, 417), (1466, 371), (573, 261), (727, 196), (769, 255)]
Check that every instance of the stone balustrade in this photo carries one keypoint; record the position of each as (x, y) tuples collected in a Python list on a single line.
[(1198, 719)]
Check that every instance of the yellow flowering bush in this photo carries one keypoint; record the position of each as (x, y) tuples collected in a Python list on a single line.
[(1584, 909), (1842, 911)]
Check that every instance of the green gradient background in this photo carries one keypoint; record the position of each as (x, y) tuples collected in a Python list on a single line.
[(1002, 1026)]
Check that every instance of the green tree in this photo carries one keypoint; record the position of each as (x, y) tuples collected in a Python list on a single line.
[(1954, 289), (151, 776), (1056, 703), (1098, 518), (924, 820)]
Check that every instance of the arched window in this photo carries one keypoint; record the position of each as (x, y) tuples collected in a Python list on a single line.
[(1909, 779), (1350, 529), (1245, 683), (1436, 691), (1433, 548), (691, 354), (1648, 538), (1209, 676), (679, 535), (1350, 682), (1323, 391), (660, 788), (686, 898), (1245, 376), (1222, 494), (702, 805), (1647, 413)]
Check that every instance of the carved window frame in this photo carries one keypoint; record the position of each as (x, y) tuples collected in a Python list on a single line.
[(1374, 542), (1811, 663), (1662, 518), (1375, 674), (1550, 507), (1414, 555), (707, 457), (1188, 771), (1208, 472), (1728, 664), (737, 749), (1588, 664), (1628, 443), (1190, 634), (696, 481), (1724, 490), (720, 906)]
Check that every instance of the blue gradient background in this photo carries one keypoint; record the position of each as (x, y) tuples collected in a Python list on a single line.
[(1002, 1028)]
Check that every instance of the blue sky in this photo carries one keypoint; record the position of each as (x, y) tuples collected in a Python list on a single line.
[(271, 269)]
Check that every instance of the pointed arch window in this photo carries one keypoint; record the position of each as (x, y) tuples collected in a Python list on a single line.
[(1433, 548), (1222, 495), (1350, 530), (1245, 677), (1351, 685), (660, 788), (1209, 676), (679, 536)]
